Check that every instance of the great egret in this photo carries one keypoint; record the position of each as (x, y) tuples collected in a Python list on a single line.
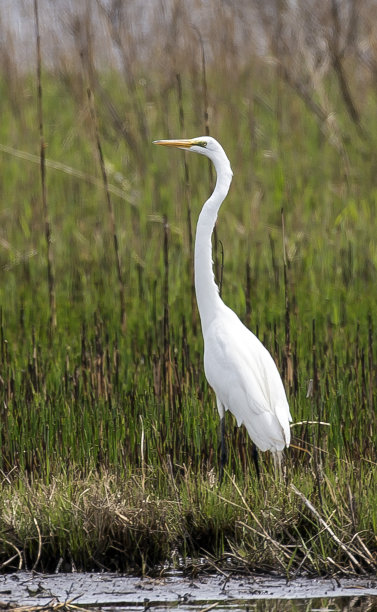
[(237, 366)]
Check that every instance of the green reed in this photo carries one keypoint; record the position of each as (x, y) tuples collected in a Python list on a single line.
[(131, 408)]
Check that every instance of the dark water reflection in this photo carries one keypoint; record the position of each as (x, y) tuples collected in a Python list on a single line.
[(335, 604)]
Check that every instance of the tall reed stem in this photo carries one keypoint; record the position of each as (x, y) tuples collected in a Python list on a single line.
[(210, 166), (194, 312), (110, 210), (166, 325), (50, 262), (288, 347)]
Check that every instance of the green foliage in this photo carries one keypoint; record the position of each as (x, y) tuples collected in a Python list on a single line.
[(91, 401)]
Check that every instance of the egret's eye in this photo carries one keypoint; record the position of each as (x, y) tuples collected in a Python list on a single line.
[(202, 143)]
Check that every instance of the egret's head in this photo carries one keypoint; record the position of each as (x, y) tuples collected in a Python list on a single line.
[(205, 145), (202, 145)]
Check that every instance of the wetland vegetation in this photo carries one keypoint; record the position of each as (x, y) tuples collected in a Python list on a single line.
[(109, 433)]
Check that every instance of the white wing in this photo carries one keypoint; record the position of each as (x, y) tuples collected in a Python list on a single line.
[(246, 381)]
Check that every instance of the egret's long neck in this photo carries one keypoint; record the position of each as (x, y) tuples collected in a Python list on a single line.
[(207, 292)]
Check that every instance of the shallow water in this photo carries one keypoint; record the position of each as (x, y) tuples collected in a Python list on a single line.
[(222, 592)]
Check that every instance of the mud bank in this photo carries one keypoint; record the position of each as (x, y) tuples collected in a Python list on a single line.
[(116, 591)]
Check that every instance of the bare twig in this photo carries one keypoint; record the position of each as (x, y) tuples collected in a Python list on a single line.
[(211, 607), (309, 423), (18, 554), (55, 165)]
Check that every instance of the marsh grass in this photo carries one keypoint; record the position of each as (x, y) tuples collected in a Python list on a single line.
[(109, 435), (100, 521)]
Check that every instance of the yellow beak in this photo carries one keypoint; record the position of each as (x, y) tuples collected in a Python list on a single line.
[(184, 144)]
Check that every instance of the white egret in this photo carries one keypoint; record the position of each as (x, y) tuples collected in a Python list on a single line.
[(237, 366)]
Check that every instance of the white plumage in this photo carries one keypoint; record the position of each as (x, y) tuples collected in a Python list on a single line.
[(245, 379), (237, 366)]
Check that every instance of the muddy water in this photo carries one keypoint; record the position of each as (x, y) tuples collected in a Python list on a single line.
[(221, 592)]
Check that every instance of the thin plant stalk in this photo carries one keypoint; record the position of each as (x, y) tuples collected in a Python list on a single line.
[(50, 262), (188, 207), (288, 346), (207, 131), (110, 209), (167, 349)]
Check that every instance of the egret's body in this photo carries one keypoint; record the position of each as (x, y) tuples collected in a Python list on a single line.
[(244, 377), (237, 366)]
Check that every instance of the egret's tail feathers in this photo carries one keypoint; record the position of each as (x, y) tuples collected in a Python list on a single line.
[(266, 432), (284, 418)]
